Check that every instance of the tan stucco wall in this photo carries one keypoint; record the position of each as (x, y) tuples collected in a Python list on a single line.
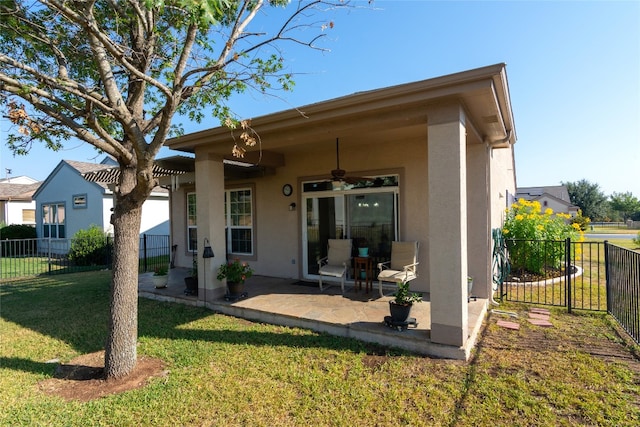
[(278, 230)]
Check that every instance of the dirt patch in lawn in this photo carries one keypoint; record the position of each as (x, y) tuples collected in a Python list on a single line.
[(83, 378)]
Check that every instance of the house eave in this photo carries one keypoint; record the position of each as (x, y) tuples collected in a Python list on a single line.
[(482, 92)]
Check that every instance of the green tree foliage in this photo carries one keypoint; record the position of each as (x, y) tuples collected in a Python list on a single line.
[(115, 73), (90, 247), (625, 203), (588, 197)]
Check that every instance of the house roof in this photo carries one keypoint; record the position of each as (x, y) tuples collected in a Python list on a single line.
[(24, 192), (381, 115), (530, 193), (175, 165)]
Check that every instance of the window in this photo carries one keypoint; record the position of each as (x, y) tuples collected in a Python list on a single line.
[(192, 225), (238, 211), (79, 201), (28, 216), (53, 218)]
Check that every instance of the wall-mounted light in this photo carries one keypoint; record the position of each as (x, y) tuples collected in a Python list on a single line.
[(208, 252), (292, 207)]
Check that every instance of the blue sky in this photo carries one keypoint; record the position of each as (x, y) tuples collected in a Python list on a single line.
[(573, 69)]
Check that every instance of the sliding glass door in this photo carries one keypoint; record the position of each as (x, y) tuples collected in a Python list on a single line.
[(366, 214)]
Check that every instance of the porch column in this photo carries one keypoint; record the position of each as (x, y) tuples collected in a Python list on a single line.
[(478, 219), (210, 219), (447, 224)]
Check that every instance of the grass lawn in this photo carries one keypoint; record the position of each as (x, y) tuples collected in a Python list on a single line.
[(225, 371)]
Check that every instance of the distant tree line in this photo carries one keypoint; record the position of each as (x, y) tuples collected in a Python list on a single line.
[(597, 206)]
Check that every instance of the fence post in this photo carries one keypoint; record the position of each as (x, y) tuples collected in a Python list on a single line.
[(144, 252), (49, 252), (606, 275), (567, 271)]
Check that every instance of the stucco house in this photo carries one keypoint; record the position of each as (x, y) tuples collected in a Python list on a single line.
[(430, 161), (16, 200), (66, 202), (555, 197)]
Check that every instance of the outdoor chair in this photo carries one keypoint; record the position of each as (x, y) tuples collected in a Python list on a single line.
[(337, 261), (403, 264)]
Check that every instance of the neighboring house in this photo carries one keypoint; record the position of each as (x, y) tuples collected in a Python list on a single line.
[(555, 197), (66, 202), (438, 155), (16, 200)]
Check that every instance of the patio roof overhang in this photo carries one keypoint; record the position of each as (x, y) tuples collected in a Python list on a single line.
[(383, 115)]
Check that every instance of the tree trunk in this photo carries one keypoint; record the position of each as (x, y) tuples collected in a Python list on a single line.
[(120, 351)]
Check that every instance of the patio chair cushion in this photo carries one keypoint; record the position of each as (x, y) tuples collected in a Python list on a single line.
[(396, 276), (332, 270)]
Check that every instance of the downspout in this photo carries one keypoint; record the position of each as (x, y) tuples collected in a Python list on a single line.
[(490, 148)]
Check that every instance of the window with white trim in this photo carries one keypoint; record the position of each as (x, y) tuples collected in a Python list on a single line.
[(238, 210), (192, 225), (53, 219)]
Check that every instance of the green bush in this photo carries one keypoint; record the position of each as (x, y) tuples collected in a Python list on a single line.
[(636, 239), (9, 248), (534, 238), (582, 221), (90, 247), (18, 231)]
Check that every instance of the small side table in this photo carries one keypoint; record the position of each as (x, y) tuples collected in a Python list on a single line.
[(363, 264)]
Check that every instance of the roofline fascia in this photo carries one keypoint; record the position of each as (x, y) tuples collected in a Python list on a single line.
[(448, 85)]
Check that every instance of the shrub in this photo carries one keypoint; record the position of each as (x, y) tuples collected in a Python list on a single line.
[(18, 232), (90, 247), (534, 237), (636, 239), (582, 221)]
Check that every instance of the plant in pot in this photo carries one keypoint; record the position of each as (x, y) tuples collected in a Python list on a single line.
[(235, 272), (161, 277), (400, 306), (191, 282)]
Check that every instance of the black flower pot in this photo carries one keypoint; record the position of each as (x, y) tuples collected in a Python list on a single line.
[(192, 285), (399, 312), (235, 288)]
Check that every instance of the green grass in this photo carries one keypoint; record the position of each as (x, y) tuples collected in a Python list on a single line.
[(226, 371)]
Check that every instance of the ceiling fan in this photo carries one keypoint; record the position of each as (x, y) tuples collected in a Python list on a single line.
[(339, 175)]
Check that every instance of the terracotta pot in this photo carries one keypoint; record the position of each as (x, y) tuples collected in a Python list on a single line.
[(399, 312), (235, 288)]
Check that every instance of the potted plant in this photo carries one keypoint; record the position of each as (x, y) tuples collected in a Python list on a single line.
[(400, 306), (161, 277), (363, 248), (235, 272), (191, 282)]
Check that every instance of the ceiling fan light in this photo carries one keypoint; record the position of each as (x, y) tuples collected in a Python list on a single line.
[(336, 185)]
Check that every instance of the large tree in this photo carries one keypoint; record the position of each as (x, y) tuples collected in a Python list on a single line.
[(588, 197), (625, 203), (115, 73)]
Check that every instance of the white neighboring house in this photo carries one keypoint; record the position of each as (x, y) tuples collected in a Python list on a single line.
[(16, 200), (66, 202), (555, 197)]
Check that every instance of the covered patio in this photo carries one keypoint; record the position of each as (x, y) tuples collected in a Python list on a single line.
[(294, 303)]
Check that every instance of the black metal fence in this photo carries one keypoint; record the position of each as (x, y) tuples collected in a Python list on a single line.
[(30, 257), (559, 273), (623, 288), (595, 276)]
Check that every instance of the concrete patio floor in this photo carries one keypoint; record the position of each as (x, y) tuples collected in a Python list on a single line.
[(358, 315)]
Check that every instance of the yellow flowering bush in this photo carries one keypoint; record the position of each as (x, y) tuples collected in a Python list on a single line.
[(535, 239)]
